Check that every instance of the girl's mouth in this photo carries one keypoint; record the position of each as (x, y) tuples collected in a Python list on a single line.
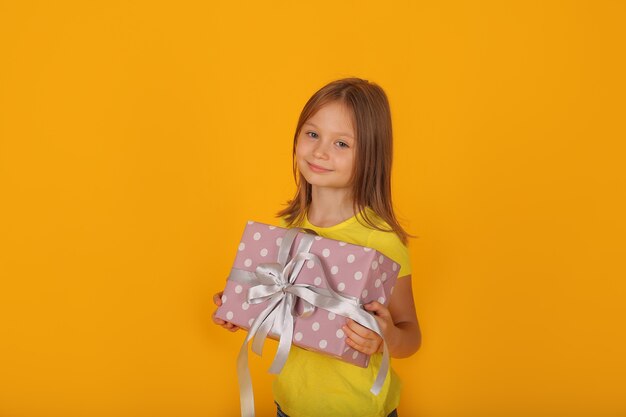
[(316, 168)]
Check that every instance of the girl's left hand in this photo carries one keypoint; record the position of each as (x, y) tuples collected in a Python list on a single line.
[(363, 339)]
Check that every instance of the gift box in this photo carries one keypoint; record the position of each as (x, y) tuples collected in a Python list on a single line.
[(337, 271)]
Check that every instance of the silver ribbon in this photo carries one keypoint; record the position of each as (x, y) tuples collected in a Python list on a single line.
[(275, 284)]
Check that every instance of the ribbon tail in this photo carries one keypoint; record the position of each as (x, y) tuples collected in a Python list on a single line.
[(246, 395), (382, 371), (286, 336), (261, 334)]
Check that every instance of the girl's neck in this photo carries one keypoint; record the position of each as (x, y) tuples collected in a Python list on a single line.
[(330, 206)]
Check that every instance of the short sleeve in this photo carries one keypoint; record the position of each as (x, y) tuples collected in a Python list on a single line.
[(390, 245)]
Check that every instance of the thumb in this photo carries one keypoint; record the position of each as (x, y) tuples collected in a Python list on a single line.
[(217, 299), (377, 308)]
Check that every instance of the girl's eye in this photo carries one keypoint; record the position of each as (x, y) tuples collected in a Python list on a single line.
[(312, 133), (342, 144)]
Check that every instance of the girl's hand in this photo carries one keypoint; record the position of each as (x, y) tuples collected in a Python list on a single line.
[(363, 339), (217, 299)]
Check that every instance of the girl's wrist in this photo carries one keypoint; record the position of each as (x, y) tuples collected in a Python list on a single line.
[(390, 337)]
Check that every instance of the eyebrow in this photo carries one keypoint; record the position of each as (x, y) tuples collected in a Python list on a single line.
[(338, 133)]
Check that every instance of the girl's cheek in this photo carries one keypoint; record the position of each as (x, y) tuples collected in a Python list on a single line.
[(299, 149)]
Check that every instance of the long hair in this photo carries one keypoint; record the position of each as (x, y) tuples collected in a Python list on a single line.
[(371, 176)]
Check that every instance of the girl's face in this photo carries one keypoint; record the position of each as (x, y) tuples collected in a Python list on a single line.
[(325, 147)]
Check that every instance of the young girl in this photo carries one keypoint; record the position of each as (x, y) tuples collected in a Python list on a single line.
[(342, 154)]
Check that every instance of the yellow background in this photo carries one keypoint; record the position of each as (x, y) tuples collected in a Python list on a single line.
[(136, 138)]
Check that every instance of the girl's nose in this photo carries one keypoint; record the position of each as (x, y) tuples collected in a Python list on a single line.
[(320, 150)]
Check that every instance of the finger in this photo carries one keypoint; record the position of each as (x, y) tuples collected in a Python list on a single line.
[(231, 327), (217, 320), (378, 309), (354, 336), (363, 339), (360, 330), (217, 299), (368, 348)]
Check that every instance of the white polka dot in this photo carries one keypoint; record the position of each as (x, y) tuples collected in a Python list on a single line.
[(245, 305), (263, 252), (394, 266), (342, 243), (238, 289), (377, 283), (326, 253), (247, 262), (355, 355), (315, 326), (334, 270), (250, 322), (310, 264), (229, 315), (364, 294), (331, 315), (256, 236), (384, 276), (318, 238), (340, 333), (317, 280), (381, 258), (323, 344), (279, 240), (224, 298), (272, 227), (381, 300), (367, 249), (250, 222), (350, 258), (242, 246), (298, 336), (374, 265), (341, 286), (358, 275)]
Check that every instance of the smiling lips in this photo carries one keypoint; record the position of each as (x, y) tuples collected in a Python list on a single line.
[(316, 168)]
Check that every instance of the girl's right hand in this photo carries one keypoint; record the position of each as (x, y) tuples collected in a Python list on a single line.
[(217, 299)]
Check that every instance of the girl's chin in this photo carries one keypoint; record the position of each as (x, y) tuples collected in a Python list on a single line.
[(319, 181), (326, 185)]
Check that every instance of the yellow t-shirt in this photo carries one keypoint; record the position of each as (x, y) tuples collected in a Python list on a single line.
[(316, 385)]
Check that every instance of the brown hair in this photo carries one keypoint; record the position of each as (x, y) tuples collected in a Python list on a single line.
[(371, 176)]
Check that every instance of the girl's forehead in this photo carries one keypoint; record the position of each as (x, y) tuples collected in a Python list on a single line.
[(335, 107), (332, 116)]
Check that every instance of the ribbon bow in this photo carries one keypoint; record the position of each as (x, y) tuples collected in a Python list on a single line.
[(275, 283)]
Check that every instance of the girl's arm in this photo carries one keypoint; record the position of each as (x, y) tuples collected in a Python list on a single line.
[(398, 323)]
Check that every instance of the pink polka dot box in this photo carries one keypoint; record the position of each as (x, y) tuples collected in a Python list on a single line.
[(272, 267)]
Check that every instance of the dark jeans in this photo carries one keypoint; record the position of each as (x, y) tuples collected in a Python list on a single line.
[(279, 412)]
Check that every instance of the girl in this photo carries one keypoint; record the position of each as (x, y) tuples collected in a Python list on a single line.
[(342, 154)]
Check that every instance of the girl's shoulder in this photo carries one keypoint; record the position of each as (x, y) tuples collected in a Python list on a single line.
[(282, 222), (389, 244)]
